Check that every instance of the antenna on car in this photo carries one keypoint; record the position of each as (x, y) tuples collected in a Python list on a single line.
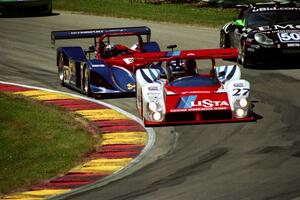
[(172, 46)]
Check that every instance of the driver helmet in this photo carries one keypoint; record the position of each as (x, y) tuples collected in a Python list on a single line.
[(109, 50), (190, 67)]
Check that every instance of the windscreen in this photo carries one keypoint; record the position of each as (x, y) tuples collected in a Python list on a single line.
[(194, 81), (125, 40), (277, 17)]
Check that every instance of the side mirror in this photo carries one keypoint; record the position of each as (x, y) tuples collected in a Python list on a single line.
[(240, 23)]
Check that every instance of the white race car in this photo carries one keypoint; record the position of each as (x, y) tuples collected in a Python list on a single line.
[(163, 97)]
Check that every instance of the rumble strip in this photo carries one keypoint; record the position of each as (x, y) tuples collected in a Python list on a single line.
[(124, 141)]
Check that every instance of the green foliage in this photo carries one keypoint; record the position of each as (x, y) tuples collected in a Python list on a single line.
[(177, 13), (37, 142)]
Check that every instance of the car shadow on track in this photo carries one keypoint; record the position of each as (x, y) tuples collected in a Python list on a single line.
[(255, 115), (28, 15), (275, 66), (113, 96)]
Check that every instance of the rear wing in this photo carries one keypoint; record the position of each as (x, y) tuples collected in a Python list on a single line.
[(95, 33), (208, 53), (185, 54)]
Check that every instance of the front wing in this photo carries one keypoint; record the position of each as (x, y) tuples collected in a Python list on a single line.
[(200, 108), (183, 122)]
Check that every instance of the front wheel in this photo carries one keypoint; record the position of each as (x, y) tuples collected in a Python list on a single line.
[(224, 40), (244, 57), (142, 108)]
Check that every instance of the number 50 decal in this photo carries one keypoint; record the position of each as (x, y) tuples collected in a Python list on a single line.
[(289, 37), (241, 91)]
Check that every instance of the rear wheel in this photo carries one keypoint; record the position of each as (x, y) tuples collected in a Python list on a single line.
[(137, 97), (142, 108), (86, 82), (61, 69)]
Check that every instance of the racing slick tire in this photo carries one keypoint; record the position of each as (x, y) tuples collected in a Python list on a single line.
[(61, 70), (86, 82), (224, 40), (142, 108), (225, 43), (137, 98), (244, 57)]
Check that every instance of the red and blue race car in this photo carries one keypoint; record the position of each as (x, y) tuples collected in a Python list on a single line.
[(106, 67), (186, 96)]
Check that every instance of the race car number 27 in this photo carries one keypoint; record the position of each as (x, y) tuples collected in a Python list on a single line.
[(241, 92), (289, 37)]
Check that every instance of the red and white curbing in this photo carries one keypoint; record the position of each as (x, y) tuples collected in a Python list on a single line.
[(124, 141)]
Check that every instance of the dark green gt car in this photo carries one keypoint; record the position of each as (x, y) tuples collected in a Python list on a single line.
[(25, 7)]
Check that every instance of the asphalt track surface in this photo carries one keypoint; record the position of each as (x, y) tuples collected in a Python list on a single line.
[(257, 160)]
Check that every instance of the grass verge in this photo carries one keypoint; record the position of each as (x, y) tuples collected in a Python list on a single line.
[(37, 142), (178, 13)]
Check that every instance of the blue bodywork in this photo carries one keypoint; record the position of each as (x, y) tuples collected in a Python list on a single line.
[(103, 78), (151, 47)]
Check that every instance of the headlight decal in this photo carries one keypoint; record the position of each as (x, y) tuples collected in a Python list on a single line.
[(263, 39), (241, 108), (157, 116), (152, 106)]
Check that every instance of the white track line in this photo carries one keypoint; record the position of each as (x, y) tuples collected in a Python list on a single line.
[(147, 148)]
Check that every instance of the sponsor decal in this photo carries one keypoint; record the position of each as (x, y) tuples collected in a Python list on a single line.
[(130, 87), (195, 109), (128, 60), (289, 37), (100, 65), (173, 53), (238, 85), (86, 32), (186, 101), (153, 88), (264, 9), (207, 103), (189, 103), (72, 66), (288, 27), (293, 45), (196, 92), (250, 49)]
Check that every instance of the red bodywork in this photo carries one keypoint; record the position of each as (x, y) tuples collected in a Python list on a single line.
[(122, 52), (208, 107), (190, 105)]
